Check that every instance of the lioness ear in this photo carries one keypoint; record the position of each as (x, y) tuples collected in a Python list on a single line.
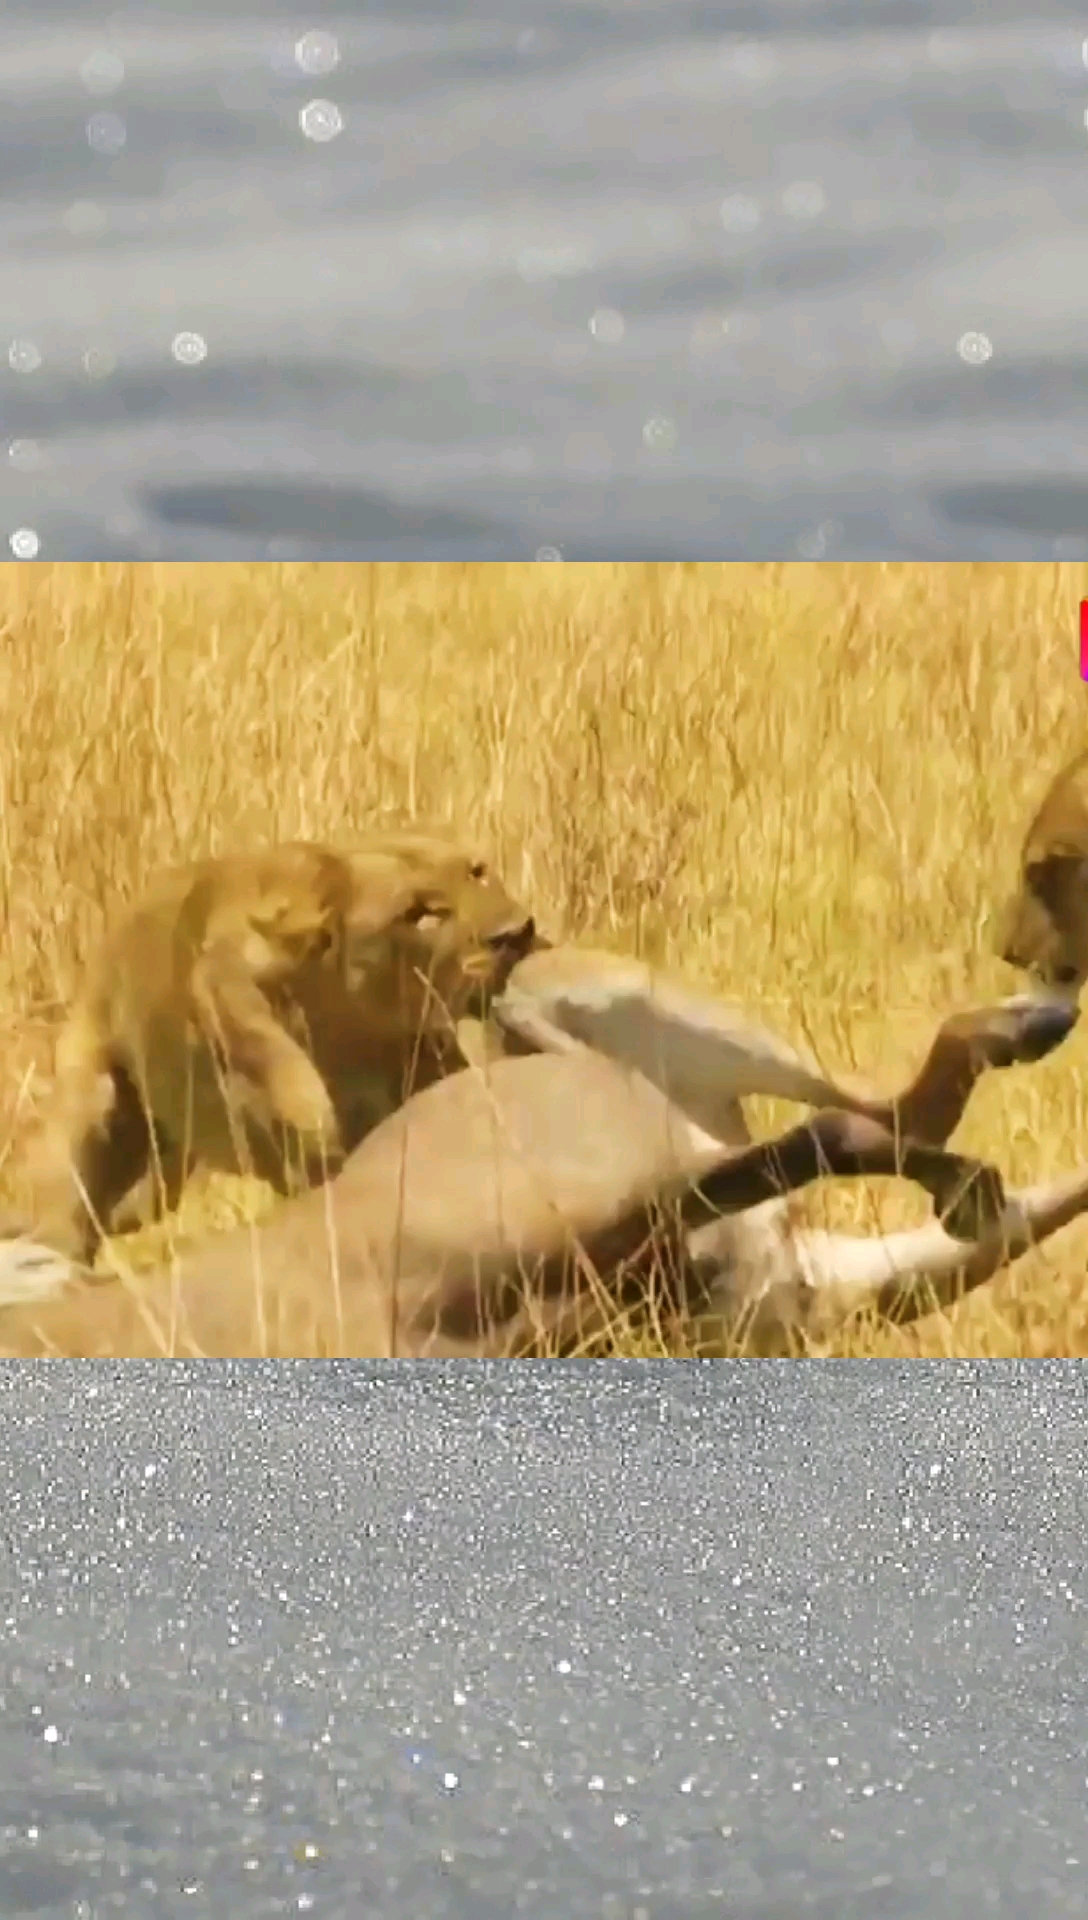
[(425, 912)]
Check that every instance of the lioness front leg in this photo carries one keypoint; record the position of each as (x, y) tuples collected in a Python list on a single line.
[(92, 1149), (254, 1044), (159, 1191)]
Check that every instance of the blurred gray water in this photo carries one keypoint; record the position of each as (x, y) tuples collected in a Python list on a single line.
[(622, 278), (627, 1641)]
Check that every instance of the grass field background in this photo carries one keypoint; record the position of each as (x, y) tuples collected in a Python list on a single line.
[(804, 785)]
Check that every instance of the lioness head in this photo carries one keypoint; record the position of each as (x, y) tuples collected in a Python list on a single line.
[(1044, 927), (431, 931)]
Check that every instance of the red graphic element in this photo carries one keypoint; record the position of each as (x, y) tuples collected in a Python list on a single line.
[(1084, 639)]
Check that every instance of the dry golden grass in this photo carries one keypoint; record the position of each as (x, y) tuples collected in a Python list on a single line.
[(804, 784)]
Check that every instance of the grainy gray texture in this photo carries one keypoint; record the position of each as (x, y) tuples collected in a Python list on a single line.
[(630, 278), (613, 1640)]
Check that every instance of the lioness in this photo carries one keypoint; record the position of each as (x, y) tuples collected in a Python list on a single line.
[(1044, 927), (515, 1209), (299, 990)]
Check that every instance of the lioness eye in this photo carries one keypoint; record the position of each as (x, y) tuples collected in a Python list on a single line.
[(479, 871), (424, 915)]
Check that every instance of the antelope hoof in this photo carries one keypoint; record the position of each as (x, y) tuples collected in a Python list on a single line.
[(1043, 1025)]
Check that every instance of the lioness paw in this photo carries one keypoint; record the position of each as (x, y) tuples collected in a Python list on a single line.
[(300, 1099)]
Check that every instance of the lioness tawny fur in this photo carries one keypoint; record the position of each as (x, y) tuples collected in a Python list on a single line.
[(298, 991)]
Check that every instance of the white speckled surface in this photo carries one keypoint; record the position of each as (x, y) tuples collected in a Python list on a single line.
[(609, 1640)]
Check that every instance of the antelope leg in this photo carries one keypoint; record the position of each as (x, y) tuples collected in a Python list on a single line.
[(706, 1054), (967, 1192), (901, 1276), (701, 1052)]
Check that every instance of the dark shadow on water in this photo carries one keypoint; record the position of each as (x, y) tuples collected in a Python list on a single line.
[(324, 514), (1054, 508), (332, 521), (1053, 384), (796, 265), (240, 387)]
